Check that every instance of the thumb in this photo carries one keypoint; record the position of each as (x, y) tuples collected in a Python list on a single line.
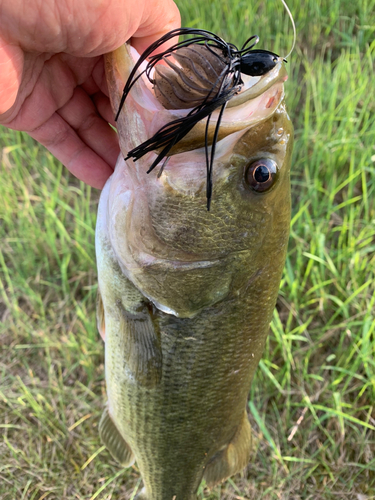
[(158, 18), (11, 64)]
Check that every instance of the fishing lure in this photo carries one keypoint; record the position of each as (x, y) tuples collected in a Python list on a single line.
[(208, 76)]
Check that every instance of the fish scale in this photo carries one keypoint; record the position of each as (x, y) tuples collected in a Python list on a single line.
[(161, 431), (153, 439)]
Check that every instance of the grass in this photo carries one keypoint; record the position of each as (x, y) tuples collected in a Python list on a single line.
[(312, 403)]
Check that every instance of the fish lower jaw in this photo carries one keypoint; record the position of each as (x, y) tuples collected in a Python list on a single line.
[(146, 260), (237, 116), (173, 272)]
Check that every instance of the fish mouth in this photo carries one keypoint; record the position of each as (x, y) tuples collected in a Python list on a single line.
[(133, 192), (257, 101)]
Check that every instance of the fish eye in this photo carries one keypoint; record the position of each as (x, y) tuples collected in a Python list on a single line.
[(262, 174)]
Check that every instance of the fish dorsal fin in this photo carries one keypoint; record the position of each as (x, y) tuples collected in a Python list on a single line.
[(114, 442)]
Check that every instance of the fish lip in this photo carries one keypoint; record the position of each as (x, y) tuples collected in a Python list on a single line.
[(185, 265), (248, 92), (260, 84), (146, 259)]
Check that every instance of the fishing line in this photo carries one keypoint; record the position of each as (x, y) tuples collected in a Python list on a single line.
[(294, 28)]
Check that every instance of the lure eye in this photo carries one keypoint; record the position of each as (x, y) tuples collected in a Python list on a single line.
[(262, 174), (258, 63)]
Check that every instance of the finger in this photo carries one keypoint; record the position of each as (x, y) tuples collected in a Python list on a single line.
[(11, 64), (104, 108), (159, 17), (52, 89), (80, 113), (98, 79), (63, 142)]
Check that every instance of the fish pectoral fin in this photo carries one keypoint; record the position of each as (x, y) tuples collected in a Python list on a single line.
[(233, 458), (143, 355), (100, 321), (114, 442)]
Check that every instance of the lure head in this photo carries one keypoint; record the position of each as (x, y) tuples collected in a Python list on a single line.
[(258, 62), (181, 257)]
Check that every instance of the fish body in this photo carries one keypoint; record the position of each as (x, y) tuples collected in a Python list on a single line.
[(186, 296)]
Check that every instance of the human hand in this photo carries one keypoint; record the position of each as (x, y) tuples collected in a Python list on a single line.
[(52, 81)]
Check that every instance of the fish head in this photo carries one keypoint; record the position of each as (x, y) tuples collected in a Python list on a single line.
[(182, 257)]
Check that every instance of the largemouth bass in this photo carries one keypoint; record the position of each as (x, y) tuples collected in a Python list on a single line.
[(185, 295)]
